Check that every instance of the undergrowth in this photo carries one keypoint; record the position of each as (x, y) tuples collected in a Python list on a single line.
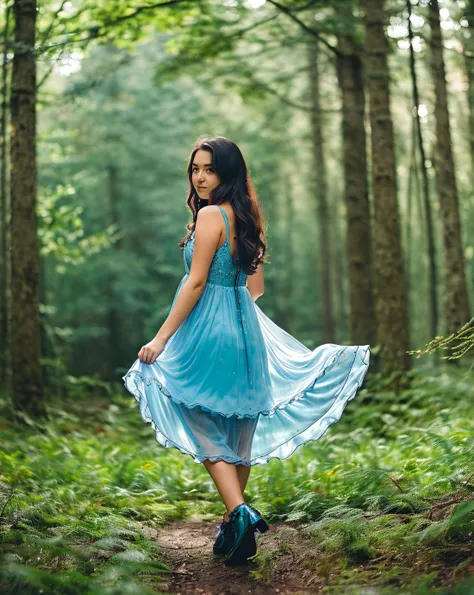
[(384, 500)]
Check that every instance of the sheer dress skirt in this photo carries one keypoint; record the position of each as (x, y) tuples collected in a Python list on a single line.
[(219, 393), (232, 385)]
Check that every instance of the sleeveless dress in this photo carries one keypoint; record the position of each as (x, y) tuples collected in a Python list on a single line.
[(232, 385)]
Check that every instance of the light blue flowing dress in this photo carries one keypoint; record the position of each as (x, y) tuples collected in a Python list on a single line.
[(232, 385)]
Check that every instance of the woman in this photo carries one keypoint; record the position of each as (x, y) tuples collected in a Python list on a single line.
[(220, 381)]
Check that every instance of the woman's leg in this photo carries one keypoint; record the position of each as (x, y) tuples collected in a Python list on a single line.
[(243, 472), (247, 427), (227, 482), (229, 478)]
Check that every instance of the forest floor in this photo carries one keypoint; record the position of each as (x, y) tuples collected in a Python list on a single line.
[(287, 563), (382, 505), (187, 549)]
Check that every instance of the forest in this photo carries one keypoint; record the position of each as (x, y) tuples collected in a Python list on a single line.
[(356, 121)]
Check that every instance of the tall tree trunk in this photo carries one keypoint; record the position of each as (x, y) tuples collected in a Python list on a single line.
[(412, 174), (431, 248), (390, 284), (321, 194), (455, 296), (339, 245), (288, 251), (362, 324), (27, 380), (4, 211), (468, 54), (114, 358)]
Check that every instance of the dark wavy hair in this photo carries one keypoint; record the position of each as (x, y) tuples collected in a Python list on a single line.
[(236, 187)]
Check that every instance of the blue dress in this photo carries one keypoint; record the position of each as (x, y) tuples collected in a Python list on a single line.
[(232, 385)]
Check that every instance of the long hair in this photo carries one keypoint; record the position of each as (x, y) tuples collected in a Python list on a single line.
[(236, 187)]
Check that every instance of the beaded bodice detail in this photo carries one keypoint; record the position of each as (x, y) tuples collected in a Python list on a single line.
[(223, 269)]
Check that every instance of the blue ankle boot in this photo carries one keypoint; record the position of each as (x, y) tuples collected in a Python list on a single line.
[(244, 521)]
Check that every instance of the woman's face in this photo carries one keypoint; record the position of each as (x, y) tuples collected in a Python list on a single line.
[(203, 177)]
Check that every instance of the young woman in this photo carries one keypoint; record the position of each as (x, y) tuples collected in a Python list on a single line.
[(221, 381)]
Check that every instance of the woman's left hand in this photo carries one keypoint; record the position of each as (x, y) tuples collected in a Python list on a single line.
[(149, 352)]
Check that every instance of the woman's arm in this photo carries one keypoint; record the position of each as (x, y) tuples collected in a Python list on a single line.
[(206, 238), (255, 283)]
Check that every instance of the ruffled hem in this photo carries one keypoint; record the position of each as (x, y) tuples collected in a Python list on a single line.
[(326, 420), (168, 443), (330, 362), (331, 416)]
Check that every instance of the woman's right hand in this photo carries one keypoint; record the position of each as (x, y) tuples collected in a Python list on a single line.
[(149, 352)]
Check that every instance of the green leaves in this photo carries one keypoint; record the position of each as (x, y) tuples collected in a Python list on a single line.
[(464, 513), (62, 230)]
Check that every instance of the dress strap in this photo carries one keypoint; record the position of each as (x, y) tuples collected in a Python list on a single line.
[(226, 223)]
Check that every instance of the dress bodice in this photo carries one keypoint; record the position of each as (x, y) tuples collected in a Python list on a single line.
[(223, 269)]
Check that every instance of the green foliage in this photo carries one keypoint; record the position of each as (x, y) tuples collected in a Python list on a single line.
[(61, 232), (392, 481), (458, 343), (389, 484), (458, 527), (77, 505)]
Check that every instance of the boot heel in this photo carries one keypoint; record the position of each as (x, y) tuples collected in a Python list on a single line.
[(244, 523), (261, 526), (247, 548)]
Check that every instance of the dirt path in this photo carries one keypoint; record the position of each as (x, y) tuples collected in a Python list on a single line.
[(187, 549)]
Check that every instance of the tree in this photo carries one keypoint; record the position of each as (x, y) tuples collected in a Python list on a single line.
[(321, 194), (350, 72), (391, 301), (27, 389), (455, 297), (431, 247)]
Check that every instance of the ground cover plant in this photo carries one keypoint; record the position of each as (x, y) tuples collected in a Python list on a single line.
[(383, 500)]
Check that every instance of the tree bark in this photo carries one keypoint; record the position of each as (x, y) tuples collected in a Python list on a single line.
[(288, 252), (391, 301), (4, 212), (321, 195), (362, 324), (431, 247), (455, 296), (27, 380), (114, 317), (468, 54)]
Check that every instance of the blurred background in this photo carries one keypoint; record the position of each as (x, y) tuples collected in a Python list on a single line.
[(122, 93)]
